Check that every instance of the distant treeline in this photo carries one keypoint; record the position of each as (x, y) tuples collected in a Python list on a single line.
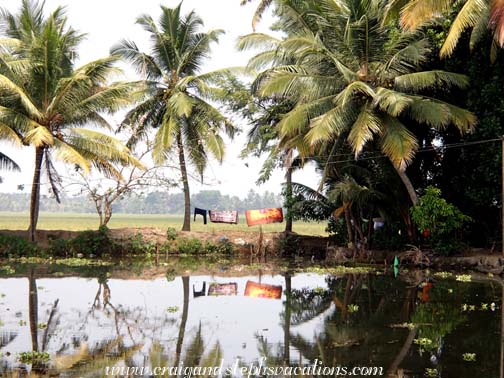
[(148, 203)]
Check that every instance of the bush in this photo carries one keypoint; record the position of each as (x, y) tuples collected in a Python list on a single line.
[(89, 243), (222, 247), (171, 234), (191, 246), (438, 220), (17, 246)]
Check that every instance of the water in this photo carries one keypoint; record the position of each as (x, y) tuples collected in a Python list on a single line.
[(410, 326)]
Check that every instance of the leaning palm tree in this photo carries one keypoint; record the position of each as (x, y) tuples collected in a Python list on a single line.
[(475, 15), (353, 79), (177, 96), (46, 101)]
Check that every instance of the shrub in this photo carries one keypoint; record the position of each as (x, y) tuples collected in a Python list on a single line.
[(17, 246), (191, 246), (438, 220), (222, 247), (171, 234), (96, 243)]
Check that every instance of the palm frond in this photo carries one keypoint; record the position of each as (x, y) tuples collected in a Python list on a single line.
[(398, 143)]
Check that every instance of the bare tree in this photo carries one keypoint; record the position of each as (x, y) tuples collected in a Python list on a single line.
[(106, 190)]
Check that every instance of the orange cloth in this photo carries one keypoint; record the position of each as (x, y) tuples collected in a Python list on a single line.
[(264, 216)]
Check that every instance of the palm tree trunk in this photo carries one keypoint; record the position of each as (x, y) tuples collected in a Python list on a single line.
[(407, 183), (288, 199), (35, 193), (185, 312), (187, 196), (33, 310), (287, 320)]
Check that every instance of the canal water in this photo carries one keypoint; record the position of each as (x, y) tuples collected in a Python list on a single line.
[(55, 324)]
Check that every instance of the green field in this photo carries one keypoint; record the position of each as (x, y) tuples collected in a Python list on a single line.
[(76, 222)]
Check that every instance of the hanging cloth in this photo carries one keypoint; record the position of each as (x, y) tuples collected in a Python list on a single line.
[(217, 216), (202, 212)]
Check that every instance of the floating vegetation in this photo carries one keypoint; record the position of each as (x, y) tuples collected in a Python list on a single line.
[(463, 278), (469, 357), (340, 269), (423, 341), (172, 309), (33, 357), (7, 269), (352, 308), (431, 373), (410, 326), (443, 274)]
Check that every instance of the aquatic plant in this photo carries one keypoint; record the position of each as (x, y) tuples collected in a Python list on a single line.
[(463, 277)]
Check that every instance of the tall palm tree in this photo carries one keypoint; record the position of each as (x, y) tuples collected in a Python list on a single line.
[(353, 79), (177, 95), (46, 101), (477, 15)]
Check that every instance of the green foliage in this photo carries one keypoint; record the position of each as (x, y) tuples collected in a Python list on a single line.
[(33, 357), (88, 243), (337, 230), (171, 234), (433, 213), (190, 246), (222, 247), (17, 246), (193, 246)]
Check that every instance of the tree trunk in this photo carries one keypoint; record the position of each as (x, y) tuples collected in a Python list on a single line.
[(288, 199), (33, 310), (35, 193), (108, 213), (407, 183), (187, 196), (287, 320), (185, 312)]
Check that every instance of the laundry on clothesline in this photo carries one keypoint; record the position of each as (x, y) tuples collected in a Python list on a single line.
[(202, 212), (264, 216), (222, 216)]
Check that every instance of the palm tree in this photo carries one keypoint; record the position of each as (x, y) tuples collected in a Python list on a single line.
[(353, 79), (477, 15), (177, 95), (261, 8), (45, 100)]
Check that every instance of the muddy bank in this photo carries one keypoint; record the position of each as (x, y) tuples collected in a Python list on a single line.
[(312, 247)]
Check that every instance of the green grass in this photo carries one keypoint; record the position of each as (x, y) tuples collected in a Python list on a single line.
[(76, 222)]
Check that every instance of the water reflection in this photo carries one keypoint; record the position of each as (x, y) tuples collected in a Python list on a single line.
[(411, 326)]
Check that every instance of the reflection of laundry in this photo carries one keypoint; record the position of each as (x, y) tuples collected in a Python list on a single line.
[(224, 216), (424, 294), (258, 290), (202, 212), (264, 216), (230, 288), (200, 293), (378, 223)]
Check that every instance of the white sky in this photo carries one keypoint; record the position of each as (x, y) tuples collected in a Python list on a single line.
[(108, 21)]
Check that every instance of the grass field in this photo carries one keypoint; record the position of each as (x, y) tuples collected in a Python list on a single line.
[(76, 222)]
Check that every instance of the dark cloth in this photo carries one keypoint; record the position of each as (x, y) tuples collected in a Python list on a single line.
[(200, 293), (202, 212), (217, 216)]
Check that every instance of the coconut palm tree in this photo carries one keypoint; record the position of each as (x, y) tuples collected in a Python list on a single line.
[(177, 96), (261, 8), (354, 79), (476, 15), (46, 100)]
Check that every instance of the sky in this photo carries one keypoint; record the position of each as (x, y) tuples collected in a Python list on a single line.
[(108, 21)]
